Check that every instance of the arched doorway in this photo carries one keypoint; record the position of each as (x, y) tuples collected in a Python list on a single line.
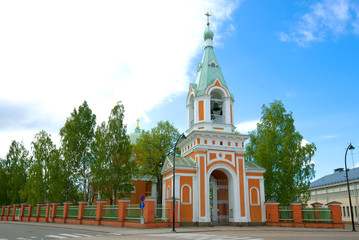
[(219, 198)]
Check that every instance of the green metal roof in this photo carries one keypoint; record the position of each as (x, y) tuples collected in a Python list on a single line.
[(182, 161), (208, 70), (252, 166)]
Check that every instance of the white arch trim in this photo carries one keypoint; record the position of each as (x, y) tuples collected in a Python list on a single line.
[(190, 194), (233, 191), (251, 198)]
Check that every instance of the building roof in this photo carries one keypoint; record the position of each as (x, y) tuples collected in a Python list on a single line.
[(182, 161), (252, 166), (336, 178), (208, 69)]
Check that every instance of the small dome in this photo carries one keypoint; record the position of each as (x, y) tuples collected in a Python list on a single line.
[(208, 34)]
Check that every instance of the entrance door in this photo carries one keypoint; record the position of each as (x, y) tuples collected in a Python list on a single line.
[(219, 198)]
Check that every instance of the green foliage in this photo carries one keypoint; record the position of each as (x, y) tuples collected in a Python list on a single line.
[(16, 166), (78, 137), (4, 183), (44, 175), (113, 169), (152, 148), (276, 146)]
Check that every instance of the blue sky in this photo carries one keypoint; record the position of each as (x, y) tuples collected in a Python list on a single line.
[(54, 55)]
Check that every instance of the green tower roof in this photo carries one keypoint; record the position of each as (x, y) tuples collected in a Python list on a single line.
[(208, 70)]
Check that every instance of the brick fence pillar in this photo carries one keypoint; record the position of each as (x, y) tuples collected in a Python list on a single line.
[(22, 210), (29, 212), (122, 205), (82, 205), (149, 210), (336, 213), (296, 211), (38, 211), (99, 209), (54, 211), (65, 213), (47, 213), (2, 212), (15, 207), (272, 211)]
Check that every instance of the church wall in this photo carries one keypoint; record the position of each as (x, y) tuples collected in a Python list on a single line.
[(255, 200), (186, 203)]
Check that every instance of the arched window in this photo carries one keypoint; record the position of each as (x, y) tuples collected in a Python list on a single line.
[(186, 195), (217, 107), (168, 192), (254, 195), (190, 108)]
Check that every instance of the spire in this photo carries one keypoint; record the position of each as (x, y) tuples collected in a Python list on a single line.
[(137, 129), (208, 70)]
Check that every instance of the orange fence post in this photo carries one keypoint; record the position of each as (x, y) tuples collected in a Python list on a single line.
[(82, 205), (54, 211), (66, 209), (15, 207), (149, 209), (47, 213), (22, 210), (99, 209), (272, 211), (336, 213), (122, 205), (296, 212)]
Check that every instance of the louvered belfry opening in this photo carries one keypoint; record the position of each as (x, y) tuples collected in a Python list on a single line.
[(219, 198)]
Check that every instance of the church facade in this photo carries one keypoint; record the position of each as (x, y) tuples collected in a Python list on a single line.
[(213, 182)]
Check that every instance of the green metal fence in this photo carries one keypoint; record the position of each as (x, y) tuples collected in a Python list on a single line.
[(161, 213), (11, 211), (73, 212), (285, 214), (133, 213), (110, 212), (59, 211), (90, 212), (33, 211), (5, 213), (43, 212), (26, 211), (317, 215)]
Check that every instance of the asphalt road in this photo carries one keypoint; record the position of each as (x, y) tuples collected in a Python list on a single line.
[(35, 231)]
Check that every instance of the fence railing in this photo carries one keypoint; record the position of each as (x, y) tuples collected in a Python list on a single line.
[(73, 212), (59, 211), (90, 212), (26, 211), (43, 212), (110, 212), (133, 213), (161, 213), (285, 214), (33, 212), (317, 215)]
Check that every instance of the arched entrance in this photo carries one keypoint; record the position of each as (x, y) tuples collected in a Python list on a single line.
[(219, 198)]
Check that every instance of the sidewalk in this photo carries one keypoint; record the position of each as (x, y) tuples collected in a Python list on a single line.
[(137, 231)]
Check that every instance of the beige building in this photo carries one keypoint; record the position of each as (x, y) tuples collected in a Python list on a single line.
[(333, 187)]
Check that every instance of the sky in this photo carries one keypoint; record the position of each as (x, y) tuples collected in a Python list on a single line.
[(56, 54)]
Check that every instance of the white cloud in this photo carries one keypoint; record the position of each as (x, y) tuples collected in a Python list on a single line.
[(60, 53), (326, 18), (247, 126), (304, 142), (329, 136)]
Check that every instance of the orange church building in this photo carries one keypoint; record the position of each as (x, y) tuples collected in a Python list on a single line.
[(213, 182)]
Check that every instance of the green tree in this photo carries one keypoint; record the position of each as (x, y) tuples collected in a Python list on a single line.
[(4, 183), (16, 165), (37, 184), (78, 137), (113, 168), (277, 146), (152, 148), (57, 178)]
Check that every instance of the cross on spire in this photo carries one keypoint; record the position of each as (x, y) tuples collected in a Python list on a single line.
[(208, 15)]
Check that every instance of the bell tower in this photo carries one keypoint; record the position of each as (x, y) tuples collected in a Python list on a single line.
[(209, 101)]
